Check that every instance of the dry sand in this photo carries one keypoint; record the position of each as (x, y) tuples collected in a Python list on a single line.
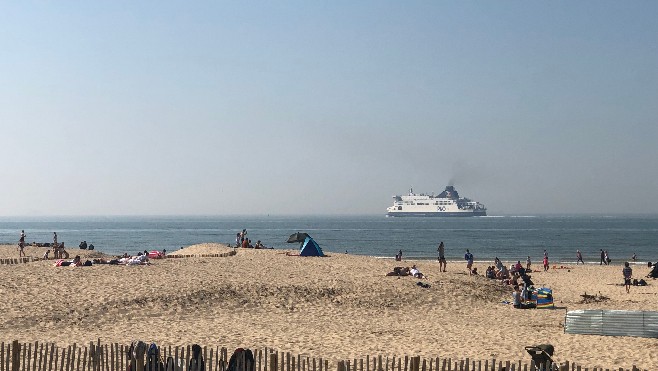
[(337, 307)]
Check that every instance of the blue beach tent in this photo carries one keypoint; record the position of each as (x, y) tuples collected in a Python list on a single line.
[(310, 248)]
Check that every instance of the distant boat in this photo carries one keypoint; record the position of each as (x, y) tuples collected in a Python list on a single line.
[(448, 203)]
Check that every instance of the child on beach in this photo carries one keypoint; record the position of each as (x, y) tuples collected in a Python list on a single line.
[(528, 263), (545, 263)]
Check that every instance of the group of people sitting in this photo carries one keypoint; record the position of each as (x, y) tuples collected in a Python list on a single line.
[(246, 243), (509, 276), (83, 246)]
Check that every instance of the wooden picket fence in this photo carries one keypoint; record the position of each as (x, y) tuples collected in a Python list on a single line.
[(222, 255), (30, 259), (407, 363), (21, 260), (117, 357)]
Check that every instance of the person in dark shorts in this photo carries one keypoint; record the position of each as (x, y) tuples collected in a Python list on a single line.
[(469, 261), (442, 257), (628, 274)]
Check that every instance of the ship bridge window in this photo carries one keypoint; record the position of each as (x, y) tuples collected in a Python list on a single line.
[(399, 207)]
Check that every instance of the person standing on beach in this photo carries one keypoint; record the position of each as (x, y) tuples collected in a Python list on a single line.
[(603, 258), (442, 257), (606, 257), (628, 274), (469, 261), (527, 264), (21, 244), (579, 257), (546, 263), (633, 257)]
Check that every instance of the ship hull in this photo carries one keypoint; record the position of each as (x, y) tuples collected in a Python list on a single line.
[(399, 214)]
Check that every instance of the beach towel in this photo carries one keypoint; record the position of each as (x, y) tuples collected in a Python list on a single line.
[(136, 352)]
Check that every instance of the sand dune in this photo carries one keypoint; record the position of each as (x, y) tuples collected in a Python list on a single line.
[(337, 307)]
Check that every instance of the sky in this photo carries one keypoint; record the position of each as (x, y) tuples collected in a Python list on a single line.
[(327, 107)]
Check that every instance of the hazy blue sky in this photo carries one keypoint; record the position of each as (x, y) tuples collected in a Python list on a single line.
[(159, 107)]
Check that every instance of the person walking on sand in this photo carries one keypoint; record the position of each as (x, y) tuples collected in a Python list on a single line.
[(442, 257), (545, 263), (603, 258), (469, 261), (628, 274), (579, 257), (527, 264)]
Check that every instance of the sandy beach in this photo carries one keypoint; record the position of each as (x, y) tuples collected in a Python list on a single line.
[(337, 307)]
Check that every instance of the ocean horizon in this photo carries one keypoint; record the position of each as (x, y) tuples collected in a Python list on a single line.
[(509, 237)]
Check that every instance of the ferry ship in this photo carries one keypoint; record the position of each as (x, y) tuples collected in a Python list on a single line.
[(448, 203)]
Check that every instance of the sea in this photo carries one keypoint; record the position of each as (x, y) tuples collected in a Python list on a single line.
[(509, 238)]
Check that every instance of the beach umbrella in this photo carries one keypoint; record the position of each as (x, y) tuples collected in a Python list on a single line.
[(297, 237)]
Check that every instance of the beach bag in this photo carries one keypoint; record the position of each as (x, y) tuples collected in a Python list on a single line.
[(153, 361), (196, 362), (241, 360)]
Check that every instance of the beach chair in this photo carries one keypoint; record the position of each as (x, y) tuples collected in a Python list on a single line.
[(542, 355)]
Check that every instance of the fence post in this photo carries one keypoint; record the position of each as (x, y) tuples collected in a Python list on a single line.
[(15, 355), (274, 363)]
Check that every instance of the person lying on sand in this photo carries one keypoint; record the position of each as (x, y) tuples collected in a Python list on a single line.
[(416, 273), (399, 271)]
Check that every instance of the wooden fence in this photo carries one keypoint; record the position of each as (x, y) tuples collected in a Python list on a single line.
[(117, 357), (21, 260), (29, 259), (407, 363), (222, 255)]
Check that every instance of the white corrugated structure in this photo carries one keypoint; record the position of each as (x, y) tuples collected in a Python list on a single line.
[(612, 323)]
